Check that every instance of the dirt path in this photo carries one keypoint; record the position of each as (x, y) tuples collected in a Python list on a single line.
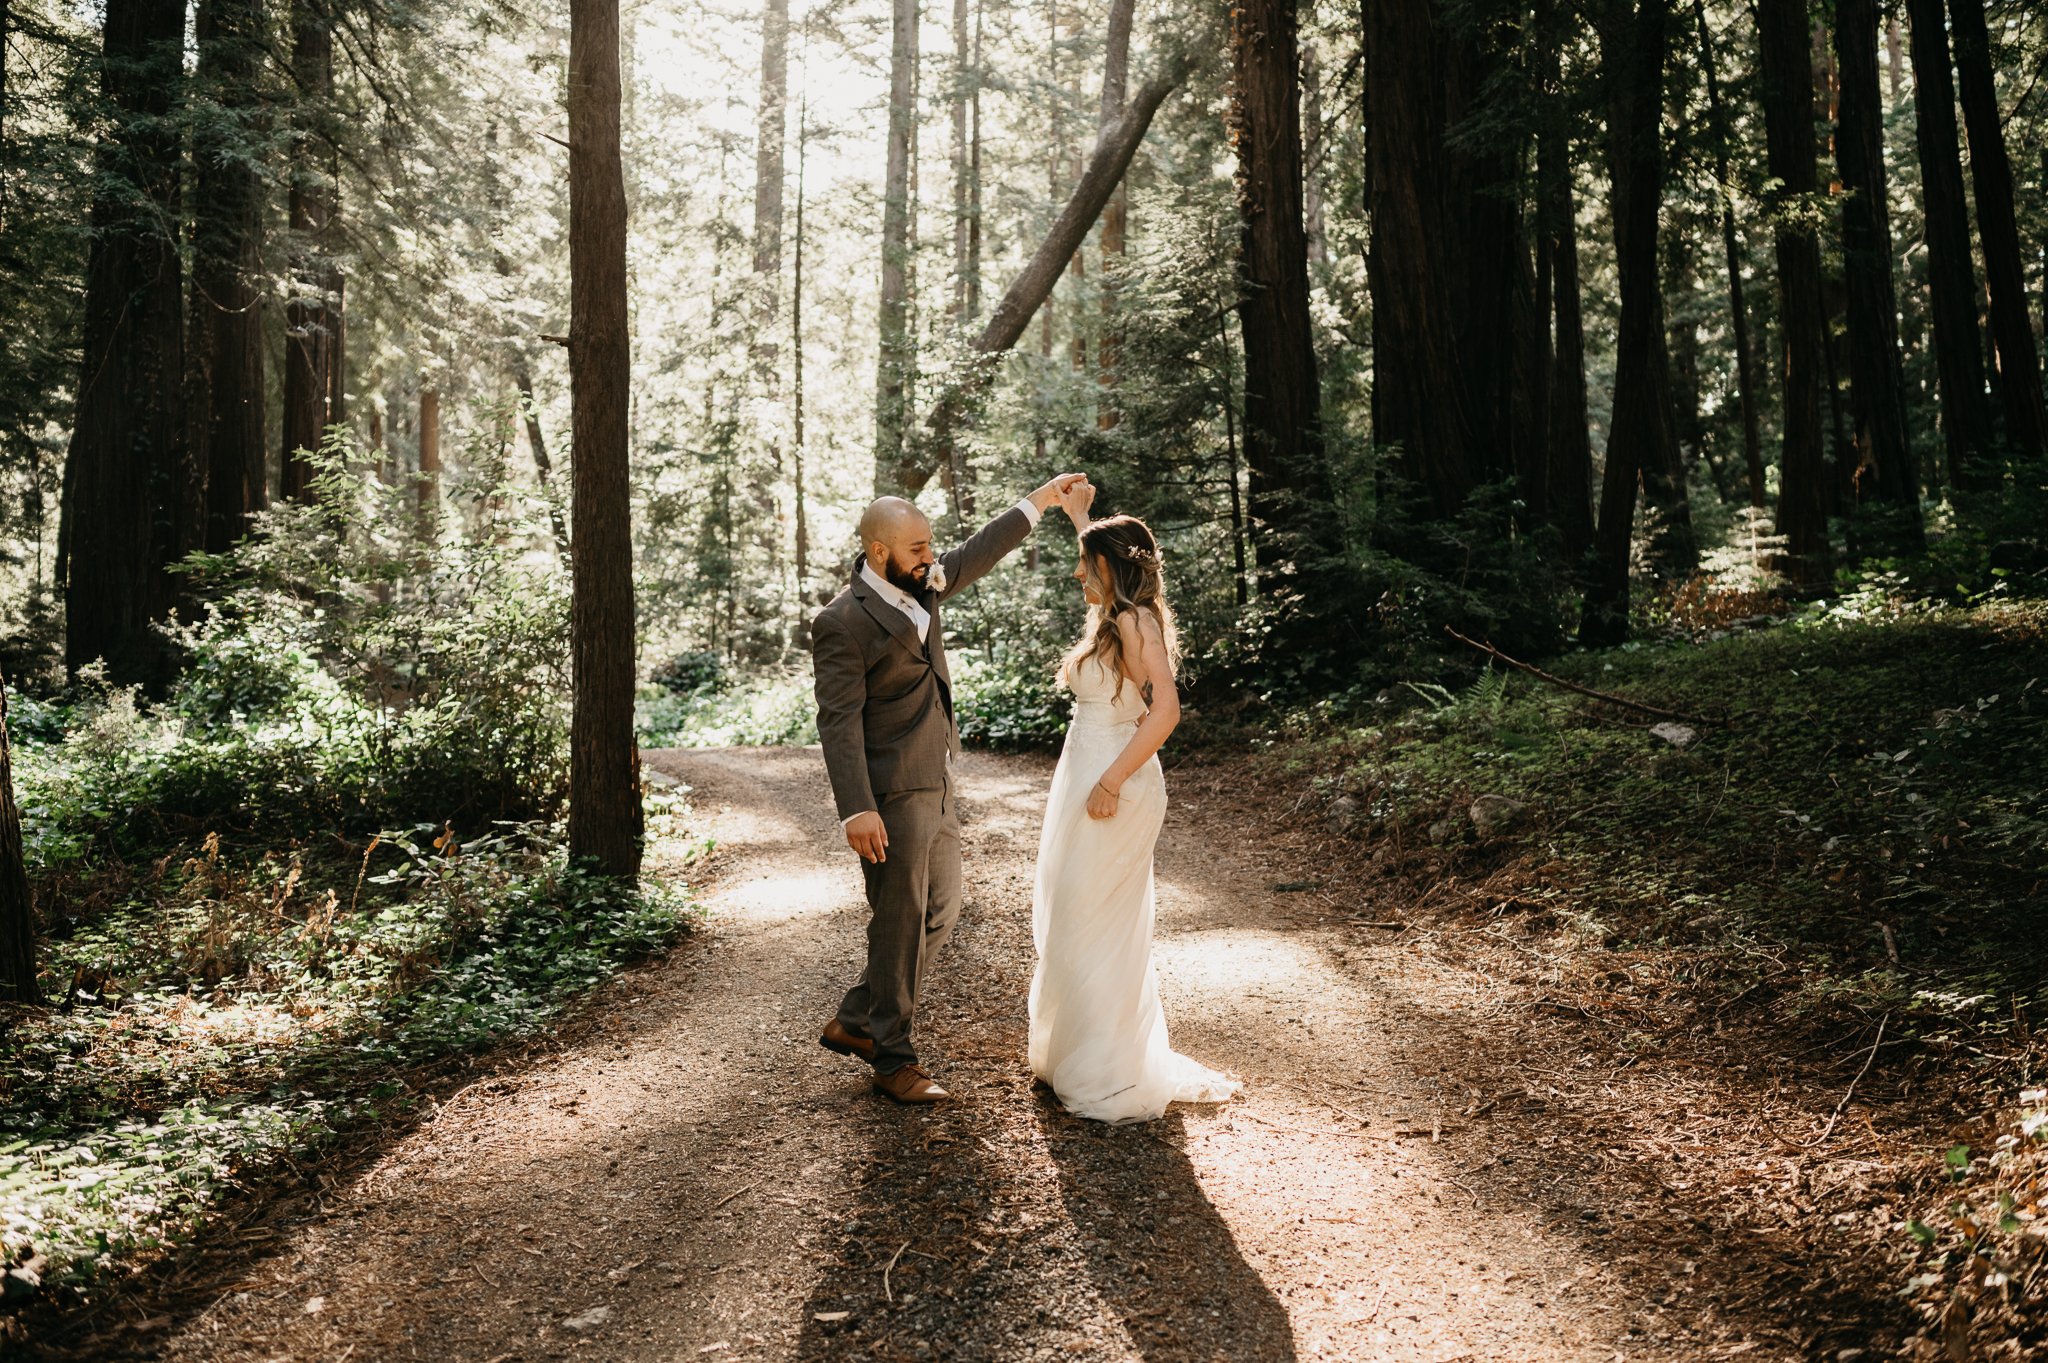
[(695, 1178)]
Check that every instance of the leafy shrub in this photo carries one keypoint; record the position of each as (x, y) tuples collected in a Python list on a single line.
[(1011, 703), (685, 673), (768, 711)]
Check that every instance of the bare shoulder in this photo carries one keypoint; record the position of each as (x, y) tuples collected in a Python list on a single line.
[(1140, 626)]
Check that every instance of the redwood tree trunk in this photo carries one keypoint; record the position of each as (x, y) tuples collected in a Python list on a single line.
[(1877, 387), (227, 305), (1951, 271), (1640, 438), (605, 824), (893, 364), (2012, 331), (1784, 40), (17, 905), (1293, 523), (1419, 403), (119, 490), (313, 317)]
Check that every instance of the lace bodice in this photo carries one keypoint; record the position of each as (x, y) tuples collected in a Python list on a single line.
[(1098, 699)]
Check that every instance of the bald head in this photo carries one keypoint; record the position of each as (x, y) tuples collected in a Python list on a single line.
[(896, 539), (890, 521)]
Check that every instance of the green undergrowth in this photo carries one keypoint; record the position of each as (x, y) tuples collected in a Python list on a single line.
[(227, 1011), (1860, 820)]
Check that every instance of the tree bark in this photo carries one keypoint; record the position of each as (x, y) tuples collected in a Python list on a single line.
[(227, 262), (124, 463), (1951, 270), (1886, 470), (896, 357), (313, 315), (1312, 221), (1731, 248), (1419, 404), (1788, 120), (17, 904), (605, 821), (1116, 67), (796, 364), (2012, 331), (1295, 533), (1567, 502), (1640, 439)]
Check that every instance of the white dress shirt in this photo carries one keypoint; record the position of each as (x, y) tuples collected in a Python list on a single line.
[(920, 618)]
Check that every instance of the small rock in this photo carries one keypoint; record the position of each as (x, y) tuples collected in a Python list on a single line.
[(1677, 735), (1343, 814), (1849, 1355), (1442, 829), (1493, 814), (588, 1321)]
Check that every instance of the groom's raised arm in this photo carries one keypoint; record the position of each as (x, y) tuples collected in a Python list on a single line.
[(840, 682), (988, 545)]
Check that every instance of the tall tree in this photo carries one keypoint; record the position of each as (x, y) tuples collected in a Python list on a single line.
[(121, 474), (1887, 472), (1293, 516), (1568, 477), (1419, 404), (605, 820), (897, 356), (1784, 36), (1951, 269), (227, 300), (17, 905), (2012, 331), (1640, 436), (313, 363), (1116, 80), (1731, 249)]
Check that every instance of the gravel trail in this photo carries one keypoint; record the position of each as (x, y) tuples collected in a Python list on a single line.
[(692, 1177)]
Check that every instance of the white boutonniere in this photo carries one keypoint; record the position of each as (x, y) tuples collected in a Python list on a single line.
[(936, 578)]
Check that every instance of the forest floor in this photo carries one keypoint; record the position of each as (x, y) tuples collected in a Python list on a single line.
[(1434, 1159)]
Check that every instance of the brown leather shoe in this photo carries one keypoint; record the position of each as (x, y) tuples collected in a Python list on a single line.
[(910, 1085), (847, 1042)]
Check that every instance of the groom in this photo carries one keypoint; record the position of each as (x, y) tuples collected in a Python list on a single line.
[(885, 718)]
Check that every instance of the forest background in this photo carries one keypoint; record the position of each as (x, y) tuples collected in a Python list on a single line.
[(1692, 351)]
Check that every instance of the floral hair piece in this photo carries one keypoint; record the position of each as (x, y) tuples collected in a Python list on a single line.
[(1138, 554)]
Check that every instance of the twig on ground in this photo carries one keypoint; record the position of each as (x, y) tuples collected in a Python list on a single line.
[(729, 1197), (1836, 1115), (1609, 697), (886, 1293)]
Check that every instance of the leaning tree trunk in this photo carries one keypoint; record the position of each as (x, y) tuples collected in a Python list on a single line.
[(605, 824), (1788, 122), (1738, 306), (227, 262), (897, 355), (1887, 472), (313, 316), (1640, 438), (17, 905), (1029, 291), (118, 531), (2012, 331), (1951, 271), (1294, 527)]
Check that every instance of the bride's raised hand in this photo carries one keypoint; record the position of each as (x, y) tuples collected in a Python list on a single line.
[(1075, 499)]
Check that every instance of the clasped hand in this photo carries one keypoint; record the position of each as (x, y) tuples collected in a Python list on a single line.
[(1102, 801)]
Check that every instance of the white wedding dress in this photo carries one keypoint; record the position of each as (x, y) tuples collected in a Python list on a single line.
[(1098, 1034)]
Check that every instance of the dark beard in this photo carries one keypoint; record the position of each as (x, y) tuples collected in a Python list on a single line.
[(912, 582)]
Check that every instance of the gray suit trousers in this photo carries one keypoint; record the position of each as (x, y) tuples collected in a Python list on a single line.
[(913, 902)]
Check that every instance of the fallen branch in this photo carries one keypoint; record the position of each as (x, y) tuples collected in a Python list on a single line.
[(1840, 1107), (1556, 680), (886, 1293)]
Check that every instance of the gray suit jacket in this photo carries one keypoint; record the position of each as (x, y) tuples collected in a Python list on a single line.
[(885, 698)]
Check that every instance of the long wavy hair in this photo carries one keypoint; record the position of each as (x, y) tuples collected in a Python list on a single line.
[(1123, 558)]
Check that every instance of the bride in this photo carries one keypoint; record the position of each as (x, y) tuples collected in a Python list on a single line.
[(1098, 1034)]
